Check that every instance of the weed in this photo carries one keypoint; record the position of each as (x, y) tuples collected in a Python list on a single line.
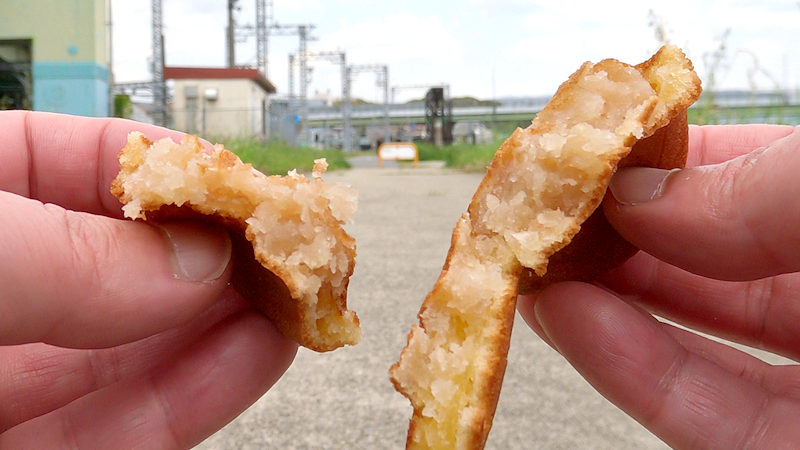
[(277, 158)]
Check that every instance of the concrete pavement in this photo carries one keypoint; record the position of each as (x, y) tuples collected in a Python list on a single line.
[(344, 399)]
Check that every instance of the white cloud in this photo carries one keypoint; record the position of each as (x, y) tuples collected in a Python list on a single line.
[(419, 49), (530, 46), (404, 37)]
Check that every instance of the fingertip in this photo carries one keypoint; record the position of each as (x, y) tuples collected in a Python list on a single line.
[(719, 221), (282, 350), (526, 305), (599, 333), (542, 310), (555, 298)]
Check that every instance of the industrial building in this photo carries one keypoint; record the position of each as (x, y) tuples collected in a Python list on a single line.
[(220, 101), (54, 56)]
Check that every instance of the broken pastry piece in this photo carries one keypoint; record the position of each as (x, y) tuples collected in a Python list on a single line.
[(292, 257), (598, 248), (542, 184)]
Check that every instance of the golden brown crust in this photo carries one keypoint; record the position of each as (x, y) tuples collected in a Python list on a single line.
[(292, 257), (544, 182)]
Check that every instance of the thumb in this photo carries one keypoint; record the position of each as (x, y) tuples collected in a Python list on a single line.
[(737, 220), (80, 280)]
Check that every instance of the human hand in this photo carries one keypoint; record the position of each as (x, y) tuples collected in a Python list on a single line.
[(722, 243), (113, 333)]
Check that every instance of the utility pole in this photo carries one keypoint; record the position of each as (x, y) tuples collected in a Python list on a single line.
[(302, 33), (347, 130), (230, 35), (291, 101), (159, 88)]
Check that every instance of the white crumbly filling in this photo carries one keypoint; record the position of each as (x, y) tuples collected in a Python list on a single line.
[(297, 234), (294, 220), (554, 172)]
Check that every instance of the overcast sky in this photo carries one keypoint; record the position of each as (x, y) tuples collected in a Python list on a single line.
[(481, 48)]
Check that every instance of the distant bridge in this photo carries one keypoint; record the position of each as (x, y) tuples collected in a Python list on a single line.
[(403, 113), (718, 107)]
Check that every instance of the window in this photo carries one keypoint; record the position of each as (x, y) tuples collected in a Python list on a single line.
[(16, 79)]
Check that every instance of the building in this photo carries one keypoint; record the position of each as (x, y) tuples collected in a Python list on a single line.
[(54, 56), (219, 101)]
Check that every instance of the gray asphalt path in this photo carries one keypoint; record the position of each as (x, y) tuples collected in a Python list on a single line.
[(344, 400)]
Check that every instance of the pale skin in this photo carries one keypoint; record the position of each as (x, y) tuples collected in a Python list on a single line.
[(721, 255), (113, 333)]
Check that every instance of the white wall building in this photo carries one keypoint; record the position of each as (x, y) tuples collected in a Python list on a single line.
[(220, 102)]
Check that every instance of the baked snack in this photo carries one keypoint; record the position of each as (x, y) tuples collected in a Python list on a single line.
[(598, 248), (292, 257), (542, 184)]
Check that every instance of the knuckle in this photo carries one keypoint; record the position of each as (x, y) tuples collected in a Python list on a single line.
[(722, 193), (733, 206)]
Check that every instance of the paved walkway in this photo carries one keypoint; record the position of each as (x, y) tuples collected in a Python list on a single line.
[(344, 400)]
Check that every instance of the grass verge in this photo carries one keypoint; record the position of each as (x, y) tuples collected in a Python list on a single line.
[(277, 158), (466, 157)]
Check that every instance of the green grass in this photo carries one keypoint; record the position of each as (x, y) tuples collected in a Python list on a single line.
[(707, 114), (277, 158), (467, 157)]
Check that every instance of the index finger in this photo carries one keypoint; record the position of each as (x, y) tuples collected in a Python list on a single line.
[(66, 160), (729, 221), (712, 144)]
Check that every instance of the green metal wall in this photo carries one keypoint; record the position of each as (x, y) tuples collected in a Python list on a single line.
[(69, 42)]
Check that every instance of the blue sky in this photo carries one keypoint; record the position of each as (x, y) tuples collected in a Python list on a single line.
[(482, 48)]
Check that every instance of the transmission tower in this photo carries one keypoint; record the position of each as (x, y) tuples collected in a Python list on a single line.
[(264, 27), (335, 57), (438, 110), (303, 34), (382, 72), (237, 33), (263, 19), (159, 88)]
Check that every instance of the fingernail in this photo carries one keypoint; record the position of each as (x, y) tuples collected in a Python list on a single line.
[(635, 185), (199, 252)]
